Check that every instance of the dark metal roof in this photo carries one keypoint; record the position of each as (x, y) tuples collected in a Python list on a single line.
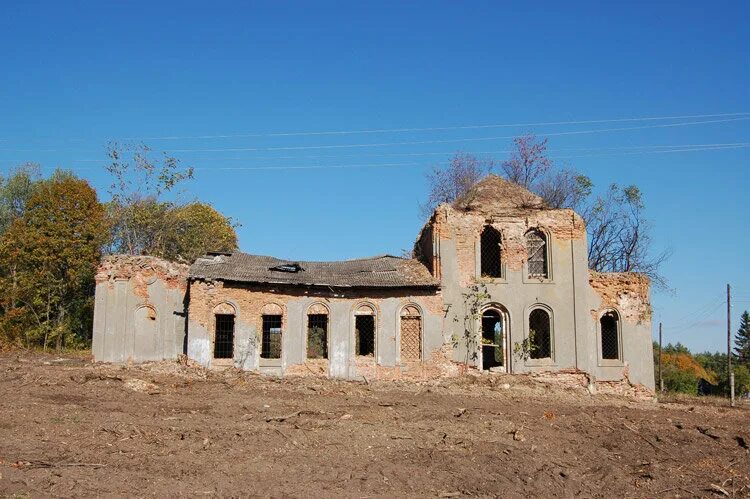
[(378, 272)]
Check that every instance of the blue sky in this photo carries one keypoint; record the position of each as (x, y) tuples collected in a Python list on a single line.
[(78, 74)]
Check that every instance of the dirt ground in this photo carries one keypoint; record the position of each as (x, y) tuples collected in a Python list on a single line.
[(72, 428)]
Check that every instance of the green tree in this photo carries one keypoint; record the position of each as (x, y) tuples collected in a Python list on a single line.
[(138, 216), (197, 228), (53, 249), (142, 223), (15, 191), (742, 340), (741, 380)]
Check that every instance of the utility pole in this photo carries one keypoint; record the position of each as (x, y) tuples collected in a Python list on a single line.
[(730, 373), (661, 380)]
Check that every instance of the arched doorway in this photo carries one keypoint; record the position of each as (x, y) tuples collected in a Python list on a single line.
[(494, 339)]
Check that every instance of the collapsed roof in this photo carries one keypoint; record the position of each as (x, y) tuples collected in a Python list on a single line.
[(384, 271)]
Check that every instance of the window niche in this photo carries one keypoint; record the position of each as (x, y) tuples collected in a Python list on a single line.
[(490, 249)]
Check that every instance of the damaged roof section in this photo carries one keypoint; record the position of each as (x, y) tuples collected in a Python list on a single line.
[(378, 272)]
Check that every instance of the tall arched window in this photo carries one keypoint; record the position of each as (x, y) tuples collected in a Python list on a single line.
[(493, 339), (609, 324), (540, 334), (491, 256), (537, 261), (411, 333)]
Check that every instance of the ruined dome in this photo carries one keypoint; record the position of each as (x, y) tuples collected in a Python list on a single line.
[(495, 194)]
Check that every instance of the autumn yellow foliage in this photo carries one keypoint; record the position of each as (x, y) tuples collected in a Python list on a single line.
[(685, 362)]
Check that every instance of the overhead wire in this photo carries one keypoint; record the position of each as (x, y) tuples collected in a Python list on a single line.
[(423, 142), (411, 129), (450, 141)]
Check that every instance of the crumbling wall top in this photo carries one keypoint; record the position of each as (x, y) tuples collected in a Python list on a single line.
[(627, 292), (144, 268)]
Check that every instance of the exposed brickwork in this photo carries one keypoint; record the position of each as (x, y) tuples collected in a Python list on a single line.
[(438, 365), (627, 292), (508, 208), (255, 300), (464, 228), (311, 367), (141, 271), (578, 380)]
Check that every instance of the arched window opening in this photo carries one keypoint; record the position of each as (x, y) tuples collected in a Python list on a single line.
[(491, 255), (411, 334), (317, 332), (224, 336), (493, 349), (609, 325), (270, 345), (364, 331), (536, 246), (540, 337)]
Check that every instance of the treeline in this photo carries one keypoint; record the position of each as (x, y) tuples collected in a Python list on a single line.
[(54, 231), (706, 373)]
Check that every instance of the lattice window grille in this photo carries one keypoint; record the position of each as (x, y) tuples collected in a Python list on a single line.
[(411, 336), (224, 337), (536, 246)]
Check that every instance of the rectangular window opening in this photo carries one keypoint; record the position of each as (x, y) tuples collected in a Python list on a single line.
[(317, 336), (224, 338), (271, 341), (364, 335)]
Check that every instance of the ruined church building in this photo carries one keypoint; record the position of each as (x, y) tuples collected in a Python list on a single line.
[(498, 283)]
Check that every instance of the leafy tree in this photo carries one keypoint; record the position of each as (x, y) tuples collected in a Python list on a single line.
[(144, 224), (137, 215), (140, 227), (742, 340), (196, 229), (676, 348), (681, 372), (53, 251), (137, 175), (15, 192), (741, 380)]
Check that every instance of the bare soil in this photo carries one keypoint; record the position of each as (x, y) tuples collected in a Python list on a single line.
[(69, 427)]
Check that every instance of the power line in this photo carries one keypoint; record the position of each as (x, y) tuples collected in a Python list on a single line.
[(366, 165), (676, 147), (717, 148), (432, 129), (443, 153), (697, 318), (450, 141), (424, 142)]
